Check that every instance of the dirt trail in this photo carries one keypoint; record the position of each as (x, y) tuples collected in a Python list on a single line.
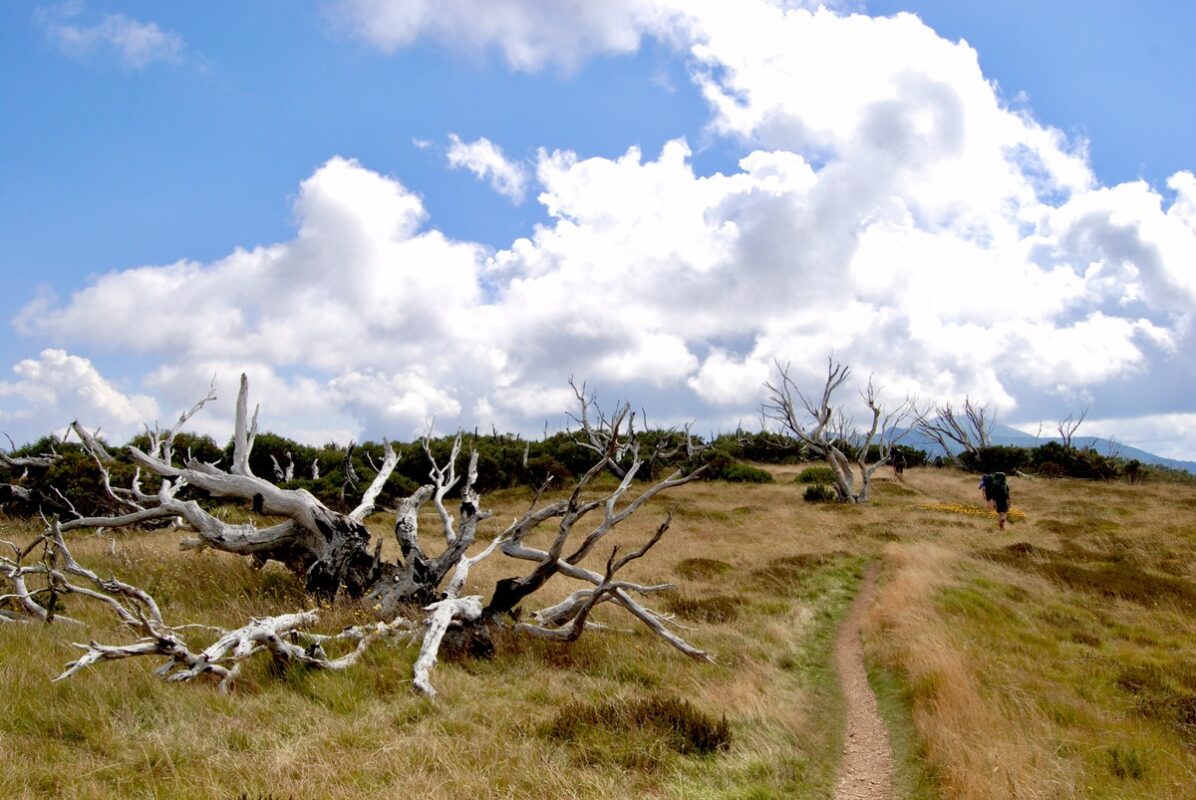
[(867, 769)]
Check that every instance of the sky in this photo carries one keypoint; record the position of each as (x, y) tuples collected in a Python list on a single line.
[(396, 214)]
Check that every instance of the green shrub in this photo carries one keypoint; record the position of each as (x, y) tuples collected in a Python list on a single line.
[(999, 458), (719, 465), (764, 447), (745, 473), (820, 493), (818, 474), (540, 467)]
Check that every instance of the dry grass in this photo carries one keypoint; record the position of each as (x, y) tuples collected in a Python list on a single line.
[(1050, 659), (117, 731), (1053, 659)]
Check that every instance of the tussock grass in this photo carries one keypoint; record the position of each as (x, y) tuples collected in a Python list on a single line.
[(663, 722), (1053, 659), (117, 731), (701, 568), (1046, 660), (717, 608)]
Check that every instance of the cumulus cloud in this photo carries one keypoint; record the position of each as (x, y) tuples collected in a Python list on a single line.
[(55, 388), (134, 43), (894, 212), (487, 162)]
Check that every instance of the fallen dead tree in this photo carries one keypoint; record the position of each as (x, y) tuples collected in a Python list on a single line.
[(331, 551), (285, 636)]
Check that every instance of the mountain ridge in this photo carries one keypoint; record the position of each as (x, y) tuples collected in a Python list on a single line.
[(1007, 436)]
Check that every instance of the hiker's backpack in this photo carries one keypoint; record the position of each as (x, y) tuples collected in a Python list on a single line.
[(998, 487)]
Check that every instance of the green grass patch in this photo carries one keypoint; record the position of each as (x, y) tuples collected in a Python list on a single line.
[(636, 732), (715, 609), (701, 568), (913, 779)]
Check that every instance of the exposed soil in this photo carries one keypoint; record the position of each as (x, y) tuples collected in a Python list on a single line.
[(867, 769)]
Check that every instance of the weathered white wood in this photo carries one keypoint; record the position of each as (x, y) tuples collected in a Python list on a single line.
[(281, 635), (601, 436), (329, 549), (162, 441), (443, 480), (656, 624), (467, 609), (969, 429), (19, 492), (243, 432), (461, 571), (21, 462), (366, 507)]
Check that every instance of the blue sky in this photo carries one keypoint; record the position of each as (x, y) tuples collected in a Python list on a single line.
[(842, 201)]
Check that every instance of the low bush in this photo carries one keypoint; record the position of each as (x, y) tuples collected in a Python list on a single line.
[(746, 473), (818, 474), (999, 458), (820, 493)]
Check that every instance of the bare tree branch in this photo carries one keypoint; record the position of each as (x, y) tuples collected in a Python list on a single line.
[(1067, 428), (968, 430)]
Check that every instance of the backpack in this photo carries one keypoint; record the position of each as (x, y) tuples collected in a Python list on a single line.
[(998, 487)]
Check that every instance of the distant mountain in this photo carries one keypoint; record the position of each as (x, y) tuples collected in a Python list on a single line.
[(1012, 437)]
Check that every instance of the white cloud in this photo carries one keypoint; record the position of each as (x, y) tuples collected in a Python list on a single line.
[(1168, 435), (407, 402), (891, 210), (529, 35), (725, 381), (486, 161), (56, 388), (135, 43)]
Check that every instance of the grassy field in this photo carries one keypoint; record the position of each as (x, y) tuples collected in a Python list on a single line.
[(1054, 659)]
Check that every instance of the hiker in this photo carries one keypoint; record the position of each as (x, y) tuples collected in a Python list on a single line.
[(898, 464), (995, 488)]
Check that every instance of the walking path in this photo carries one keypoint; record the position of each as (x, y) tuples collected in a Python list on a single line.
[(867, 769)]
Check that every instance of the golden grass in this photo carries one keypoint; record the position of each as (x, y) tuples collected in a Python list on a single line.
[(1015, 644), (117, 731), (1046, 660)]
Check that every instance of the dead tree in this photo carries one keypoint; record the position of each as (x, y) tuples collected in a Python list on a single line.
[(969, 430), (1067, 428), (329, 549), (285, 636), (331, 552), (22, 496), (594, 430), (24, 462), (828, 431)]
